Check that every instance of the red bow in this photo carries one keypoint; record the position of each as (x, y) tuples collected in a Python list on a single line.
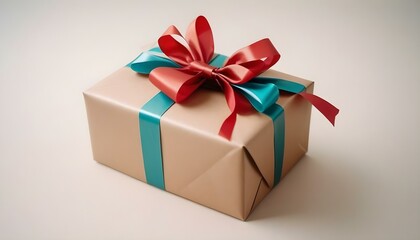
[(194, 52)]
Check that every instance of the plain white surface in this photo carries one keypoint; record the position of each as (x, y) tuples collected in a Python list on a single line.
[(360, 180)]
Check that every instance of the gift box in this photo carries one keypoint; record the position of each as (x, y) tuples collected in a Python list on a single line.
[(137, 129)]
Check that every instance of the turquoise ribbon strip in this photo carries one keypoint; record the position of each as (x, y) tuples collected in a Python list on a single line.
[(262, 93), (149, 60), (281, 84), (149, 120), (276, 113)]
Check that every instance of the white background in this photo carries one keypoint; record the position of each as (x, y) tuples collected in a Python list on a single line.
[(360, 180)]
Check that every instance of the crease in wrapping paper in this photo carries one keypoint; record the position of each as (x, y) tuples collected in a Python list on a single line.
[(227, 156), (220, 169), (120, 149), (251, 172)]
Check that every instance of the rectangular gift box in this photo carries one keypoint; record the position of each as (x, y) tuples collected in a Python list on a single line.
[(230, 176)]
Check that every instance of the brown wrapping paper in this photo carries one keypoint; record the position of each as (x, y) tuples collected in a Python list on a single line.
[(229, 176)]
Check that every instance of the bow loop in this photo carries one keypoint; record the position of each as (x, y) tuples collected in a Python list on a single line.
[(257, 57), (200, 39), (182, 82), (261, 96), (173, 47), (172, 30)]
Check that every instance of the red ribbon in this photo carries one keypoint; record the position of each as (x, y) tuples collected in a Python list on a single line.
[(194, 52), (194, 55)]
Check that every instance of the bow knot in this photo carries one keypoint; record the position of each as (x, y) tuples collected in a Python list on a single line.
[(205, 69)]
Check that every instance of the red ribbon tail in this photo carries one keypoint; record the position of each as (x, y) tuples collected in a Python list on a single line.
[(227, 127), (326, 108)]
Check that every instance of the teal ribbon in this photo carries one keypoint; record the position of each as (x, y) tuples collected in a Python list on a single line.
[(261, 92), (149, 60), (276, 113), (149, 120)]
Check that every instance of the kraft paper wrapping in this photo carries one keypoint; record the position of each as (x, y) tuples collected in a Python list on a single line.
[(229, 176)]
